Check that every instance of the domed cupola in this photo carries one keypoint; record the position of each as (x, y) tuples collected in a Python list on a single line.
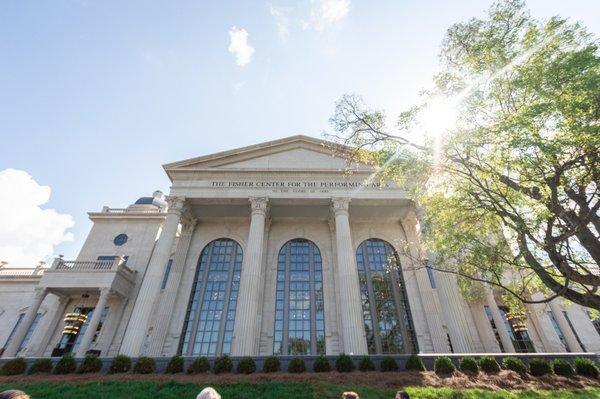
[(146, 203)]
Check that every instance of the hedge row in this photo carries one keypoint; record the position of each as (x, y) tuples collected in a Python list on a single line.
[(537, 367), (343, 364)]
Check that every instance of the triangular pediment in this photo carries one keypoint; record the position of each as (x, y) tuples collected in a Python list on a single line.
[(291, 153)]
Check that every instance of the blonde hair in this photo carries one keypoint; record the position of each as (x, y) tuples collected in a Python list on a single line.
[(208, 393)]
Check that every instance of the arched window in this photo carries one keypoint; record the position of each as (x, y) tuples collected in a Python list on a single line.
[(299, 317), (208, 326), (386, 313)]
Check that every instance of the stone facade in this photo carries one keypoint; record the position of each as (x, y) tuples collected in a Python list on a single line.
[(139, 266)]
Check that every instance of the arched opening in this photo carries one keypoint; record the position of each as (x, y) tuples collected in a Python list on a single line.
[(208, 327), (299, 304), (386, 312)]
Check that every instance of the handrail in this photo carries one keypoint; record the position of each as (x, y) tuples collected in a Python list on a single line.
[(21, 271), (76, 265), (106, 209), (85, 265)]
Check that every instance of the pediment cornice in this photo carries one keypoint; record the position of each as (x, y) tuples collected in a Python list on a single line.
[(239, 160)]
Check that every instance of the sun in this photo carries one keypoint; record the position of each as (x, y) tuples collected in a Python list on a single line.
[(438, 117)]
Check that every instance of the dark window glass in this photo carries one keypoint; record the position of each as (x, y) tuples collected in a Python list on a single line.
[(299, 315), (163, 285), (557, 329), (386, 312), (595, 321), (70, 341), (431, 277), (12, 332), (520, 339), (208, 327), (120, 239), (449, 342), (112, 258), (488, 313), (30, 331)]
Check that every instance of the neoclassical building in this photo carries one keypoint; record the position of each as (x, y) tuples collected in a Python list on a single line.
[(267, 249)]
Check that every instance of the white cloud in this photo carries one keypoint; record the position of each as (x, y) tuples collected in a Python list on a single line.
[(239, 46), (282, 21), (28, 233), (325, 13), (334, 10)]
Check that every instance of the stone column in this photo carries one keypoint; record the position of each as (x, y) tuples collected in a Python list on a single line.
[(499, 321), (347, 282), (14, 344), (144, 304), (166, 300), (432, 321), (565, 328), (57, 317), (93, 324), (453, 313), (247, 325)]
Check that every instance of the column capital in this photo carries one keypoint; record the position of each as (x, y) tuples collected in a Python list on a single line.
[(105, 291), (340, 205), (176, 204), (188, 224), (259, 205), (40, 291)]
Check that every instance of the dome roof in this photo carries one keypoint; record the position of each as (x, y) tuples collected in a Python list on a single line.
[(151, 201)]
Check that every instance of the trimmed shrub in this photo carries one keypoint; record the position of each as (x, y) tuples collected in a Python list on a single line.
[(414, 363), (344, 363), (120, 364), (321, 365), (468, 365), (539, 367), (562, 367), (14, 367), (388, 364), (175, 365), (144, 365), (41, 366), (90, 364), (223, 364), (272, 364), (246, 366), (296, 366), (443, 365), (199, 365), (514, 364), (488, 364), (366, 364), (65, 365), (586, 367)]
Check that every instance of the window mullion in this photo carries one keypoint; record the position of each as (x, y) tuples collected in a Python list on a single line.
[(200, 299), (225, 308), (286, 302), (372, 300), (400, 309), (313, 306)]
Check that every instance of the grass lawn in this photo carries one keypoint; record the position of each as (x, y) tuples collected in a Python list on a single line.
[(286, 390)]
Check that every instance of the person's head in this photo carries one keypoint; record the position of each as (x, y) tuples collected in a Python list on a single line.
[(208, 393), (350, 395), (402, 395), (13, 394)]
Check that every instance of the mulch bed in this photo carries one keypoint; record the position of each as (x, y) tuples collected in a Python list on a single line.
[(393, 380)]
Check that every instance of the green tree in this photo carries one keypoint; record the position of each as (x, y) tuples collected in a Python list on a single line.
[(507, 173)]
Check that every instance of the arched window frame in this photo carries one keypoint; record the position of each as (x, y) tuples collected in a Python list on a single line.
[(316, 298), (198, 292), (400, 298)]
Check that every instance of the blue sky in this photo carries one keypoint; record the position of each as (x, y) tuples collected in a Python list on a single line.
[(96, 96)]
